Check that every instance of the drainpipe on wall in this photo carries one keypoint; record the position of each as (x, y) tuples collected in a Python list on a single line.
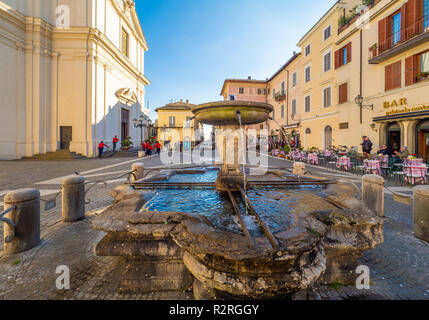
[(287, 100), (360, 75)]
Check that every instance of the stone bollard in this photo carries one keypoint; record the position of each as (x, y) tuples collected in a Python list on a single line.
[(373, 193), (299, 168), (139, 173), (421, 212), (26, 217), (73, 199)]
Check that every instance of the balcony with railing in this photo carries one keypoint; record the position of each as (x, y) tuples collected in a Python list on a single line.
[(400, 41)]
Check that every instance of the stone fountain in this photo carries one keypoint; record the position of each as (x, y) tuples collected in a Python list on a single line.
[(311, 230)]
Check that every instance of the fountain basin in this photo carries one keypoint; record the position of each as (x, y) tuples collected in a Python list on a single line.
[(321, 233), (224, 113)]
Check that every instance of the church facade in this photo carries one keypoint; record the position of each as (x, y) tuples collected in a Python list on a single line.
[(72, 75)]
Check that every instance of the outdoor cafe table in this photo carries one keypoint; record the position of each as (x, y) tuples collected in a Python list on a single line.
[(344, 163), (313, 158), (373, 166), (415, 173)]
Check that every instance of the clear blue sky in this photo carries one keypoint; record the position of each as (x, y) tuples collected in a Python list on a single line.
[(195, 44)]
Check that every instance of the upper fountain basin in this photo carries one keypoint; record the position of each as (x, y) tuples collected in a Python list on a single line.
[(224, 113)]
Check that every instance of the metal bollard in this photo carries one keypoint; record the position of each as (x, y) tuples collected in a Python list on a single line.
[(373, 193), (73, 199), (22, 222), (421, 212), (138, 169)]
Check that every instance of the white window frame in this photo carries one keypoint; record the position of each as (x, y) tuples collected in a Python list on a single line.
[(292, 107), (305, 103), (323, 60), (305, 49), (330, 35), (305, 73), (323, 96)]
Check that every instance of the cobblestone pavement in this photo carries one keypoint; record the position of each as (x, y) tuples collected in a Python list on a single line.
[(399, 267)]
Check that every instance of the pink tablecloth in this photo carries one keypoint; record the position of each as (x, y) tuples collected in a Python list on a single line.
[(415, 173), (372, 166), (344, 163), (313, 158)]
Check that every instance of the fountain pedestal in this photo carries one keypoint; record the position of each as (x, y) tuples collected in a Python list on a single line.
[(230, 142)]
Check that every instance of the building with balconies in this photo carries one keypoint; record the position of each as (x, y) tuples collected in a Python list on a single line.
[(389, 73)]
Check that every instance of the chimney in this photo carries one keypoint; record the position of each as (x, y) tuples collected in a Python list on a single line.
[(187, 101), (249, 78)]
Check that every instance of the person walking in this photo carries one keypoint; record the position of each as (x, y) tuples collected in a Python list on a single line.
[(101, 148), (366, 147), (158, 148), (115, 142)]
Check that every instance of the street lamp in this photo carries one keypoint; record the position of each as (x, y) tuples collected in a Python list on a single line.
[(140, 123), (359, 102)]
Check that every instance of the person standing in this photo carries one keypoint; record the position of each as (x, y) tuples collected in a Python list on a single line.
[(101, 148), (115, 142), (366, 147), (144, 147), (158, 148), (150, 149)]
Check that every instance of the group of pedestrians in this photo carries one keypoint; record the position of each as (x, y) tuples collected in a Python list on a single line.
[(147, 147)]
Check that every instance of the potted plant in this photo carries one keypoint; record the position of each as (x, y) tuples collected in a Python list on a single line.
[(126, 144), (373, 49), (423, 75), (282, 154)]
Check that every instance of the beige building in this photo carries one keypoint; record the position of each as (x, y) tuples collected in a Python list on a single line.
[(72, 75), (284, 94), (176, 125)]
